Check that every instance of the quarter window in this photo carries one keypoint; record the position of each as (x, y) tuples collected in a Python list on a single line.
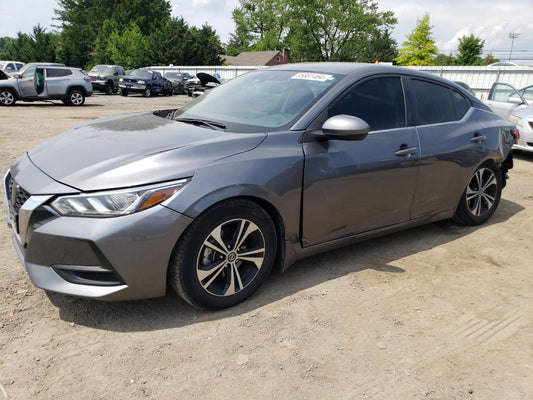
[(378, 101), (461, 105)]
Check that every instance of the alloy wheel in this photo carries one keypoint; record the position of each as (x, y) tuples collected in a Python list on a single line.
[(481, 192), (230, 257)]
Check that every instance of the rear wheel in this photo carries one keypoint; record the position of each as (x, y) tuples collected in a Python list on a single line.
[(224, 256), (481, 196), (7, 97), (75, 98)]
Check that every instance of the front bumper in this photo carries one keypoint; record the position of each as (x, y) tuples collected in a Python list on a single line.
[(119, 258), (99, 85), (132, 88)]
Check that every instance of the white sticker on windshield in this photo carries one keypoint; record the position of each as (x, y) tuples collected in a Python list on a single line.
[(311, 76)]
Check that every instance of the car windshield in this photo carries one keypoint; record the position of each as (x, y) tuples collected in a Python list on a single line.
[(175, 75), (261, 100), (141, 73), (102, 69)]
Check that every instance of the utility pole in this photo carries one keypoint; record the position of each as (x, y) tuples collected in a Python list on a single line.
[(512, 36)]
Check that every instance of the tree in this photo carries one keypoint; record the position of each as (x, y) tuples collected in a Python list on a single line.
[(419, 48), (470, 49), (443, 59), (128, 48), (38, 46), (380, 47), (83, 34), (315, 30)]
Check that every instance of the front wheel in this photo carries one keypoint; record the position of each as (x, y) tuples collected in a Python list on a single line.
[(75, 98), (123, 92), (7, 97), (481, 196), (224, 256), (147, 92)]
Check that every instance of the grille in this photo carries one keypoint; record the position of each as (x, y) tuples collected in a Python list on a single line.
[(16, 195)]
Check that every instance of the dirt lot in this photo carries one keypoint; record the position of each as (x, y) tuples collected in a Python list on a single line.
[(436, 312)]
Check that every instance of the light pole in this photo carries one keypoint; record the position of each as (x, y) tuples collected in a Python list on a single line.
[(512, 36)]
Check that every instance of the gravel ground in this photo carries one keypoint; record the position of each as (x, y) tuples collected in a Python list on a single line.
[(435, 312)]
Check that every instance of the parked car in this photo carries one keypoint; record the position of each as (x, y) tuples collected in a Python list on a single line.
[(271, 167), (145, 81), (104, 78), (46, 82), (503, 64), (177, 80), (516, 106), (11, 66), (466, 86), (201, 83)]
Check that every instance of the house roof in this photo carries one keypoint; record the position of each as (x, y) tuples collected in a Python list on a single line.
[(252, 58)]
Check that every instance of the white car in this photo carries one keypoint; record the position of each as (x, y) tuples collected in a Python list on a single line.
[(516, 106), (11, 66)]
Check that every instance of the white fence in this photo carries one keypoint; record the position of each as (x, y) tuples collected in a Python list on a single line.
[(480, 79)]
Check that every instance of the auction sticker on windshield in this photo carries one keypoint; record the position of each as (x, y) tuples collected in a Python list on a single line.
[(310, 76)]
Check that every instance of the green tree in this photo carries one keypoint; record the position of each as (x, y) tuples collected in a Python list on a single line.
[(470, 49), (443, 59), (380, 47), (205, 48), (315, 30), (37, 46), (128, 48), (419, 48), (83, 34)]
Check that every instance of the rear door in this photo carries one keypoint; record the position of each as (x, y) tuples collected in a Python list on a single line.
[(57, 81), (352, 187), (504, 99), (451, 139)]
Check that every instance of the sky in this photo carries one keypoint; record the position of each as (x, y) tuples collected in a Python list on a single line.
[(491, 20)]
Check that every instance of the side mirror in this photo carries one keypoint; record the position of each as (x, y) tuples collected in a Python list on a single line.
[(17, 76), (345, 127), (515, 100), (115, 73)]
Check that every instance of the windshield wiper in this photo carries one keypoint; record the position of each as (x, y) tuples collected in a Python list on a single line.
[(203, 122)]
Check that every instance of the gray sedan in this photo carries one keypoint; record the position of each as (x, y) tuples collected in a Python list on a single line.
[(271, 167)]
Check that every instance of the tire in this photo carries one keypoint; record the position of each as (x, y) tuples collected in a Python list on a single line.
[(147, 92), (108, 89), (208, 268), (481, 196), (75, 98), (7, 97), (123, 92)]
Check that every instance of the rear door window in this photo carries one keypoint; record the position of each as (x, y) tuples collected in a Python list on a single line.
[(434, 103)]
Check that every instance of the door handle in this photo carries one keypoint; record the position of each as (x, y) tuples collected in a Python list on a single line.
[(405, 151), (478, 138)]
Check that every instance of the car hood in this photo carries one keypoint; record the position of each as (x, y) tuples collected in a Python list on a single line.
[(132, 150), (206, 78)]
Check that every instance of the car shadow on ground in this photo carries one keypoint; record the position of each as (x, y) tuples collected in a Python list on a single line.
[(172, 312), (52, 103)]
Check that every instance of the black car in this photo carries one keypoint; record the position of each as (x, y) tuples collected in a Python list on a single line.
[(177, 79), (201, 83), (145, 81)]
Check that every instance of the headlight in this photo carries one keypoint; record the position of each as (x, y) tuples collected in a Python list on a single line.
[(115, 203), (516, 120), (141, 82), (120, 80)]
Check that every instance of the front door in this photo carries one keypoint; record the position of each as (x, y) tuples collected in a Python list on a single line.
[(352, 187)]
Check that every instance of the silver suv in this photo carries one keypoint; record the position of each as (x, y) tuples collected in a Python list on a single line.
[(46, 82)]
